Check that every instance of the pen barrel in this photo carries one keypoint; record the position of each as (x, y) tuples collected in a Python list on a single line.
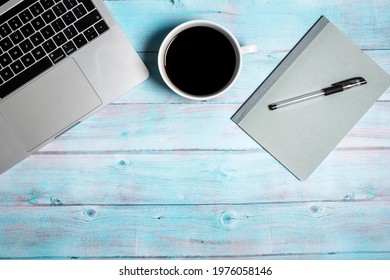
[(332, 89), (296, 99)]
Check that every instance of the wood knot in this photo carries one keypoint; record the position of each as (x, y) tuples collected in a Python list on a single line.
[(318, 211), (349, 197), (227, 219), (55, 201), (34, 197), (90, 213), (122, 163), (314, 209), (177, 3)]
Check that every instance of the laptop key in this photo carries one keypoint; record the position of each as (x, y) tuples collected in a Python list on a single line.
[(59, 39), (70, 32), (70, 4), (27, 30), (58, 25), (80, 41), (15, 23), (47, 3), (5, 30), (15, 52), (101, 26), (6, 74), (49, 46), (38, 23), (36, 39), (27, 59), (57, 55), (26, 46), (24, 77), (36, 9), (25, 16), (17, 67), (79, 11), (88, 4), (47, 32), (16, 37), (69, 18), (69, 47), (59, 9), (90, 34), (87, 21), (48, 16), (5, 59), (6, 44), (38, 53)]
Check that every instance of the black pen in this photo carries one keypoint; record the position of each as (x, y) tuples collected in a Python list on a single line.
[(334, 88)]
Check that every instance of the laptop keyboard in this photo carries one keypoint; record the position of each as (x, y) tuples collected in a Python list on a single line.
[(37, 34)]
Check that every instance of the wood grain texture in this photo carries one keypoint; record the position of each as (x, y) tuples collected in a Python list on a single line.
[(190, 177), (154, 175), (276, 25), (194, 231), (135, 127)]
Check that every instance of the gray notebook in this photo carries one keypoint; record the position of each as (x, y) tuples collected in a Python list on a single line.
[(300, 136)]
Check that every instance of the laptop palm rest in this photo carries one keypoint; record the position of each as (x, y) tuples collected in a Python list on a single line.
[(50, 104)]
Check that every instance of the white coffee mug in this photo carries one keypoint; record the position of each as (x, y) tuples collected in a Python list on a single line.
[(239, 51)]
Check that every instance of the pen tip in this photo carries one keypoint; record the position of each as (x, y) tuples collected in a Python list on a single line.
[(272, 106)]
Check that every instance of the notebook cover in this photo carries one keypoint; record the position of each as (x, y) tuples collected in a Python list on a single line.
[(300, 136)]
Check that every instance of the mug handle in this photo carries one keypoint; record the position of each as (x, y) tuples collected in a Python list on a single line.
[(249, 49)]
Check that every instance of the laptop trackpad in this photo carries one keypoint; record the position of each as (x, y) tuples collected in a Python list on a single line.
[(50, 104)]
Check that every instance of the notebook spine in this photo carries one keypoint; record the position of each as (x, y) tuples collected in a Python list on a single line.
[(280, 69)]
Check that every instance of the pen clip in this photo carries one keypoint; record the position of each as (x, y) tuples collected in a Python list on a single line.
[(357, 81)]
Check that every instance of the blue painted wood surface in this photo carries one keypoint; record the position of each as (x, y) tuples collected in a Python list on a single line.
[(155, 175)]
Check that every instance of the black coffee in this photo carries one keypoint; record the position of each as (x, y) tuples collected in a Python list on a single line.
[(200, 61)]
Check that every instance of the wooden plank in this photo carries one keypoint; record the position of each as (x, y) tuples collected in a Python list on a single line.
[(145, 127), (256, 67), (195, 231), (314, 256), (183, 177), (274, 24)]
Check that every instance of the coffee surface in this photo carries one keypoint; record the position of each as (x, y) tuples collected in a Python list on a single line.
[(200, 61)]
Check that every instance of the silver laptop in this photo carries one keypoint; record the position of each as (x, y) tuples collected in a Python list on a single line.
[(60, 61)]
